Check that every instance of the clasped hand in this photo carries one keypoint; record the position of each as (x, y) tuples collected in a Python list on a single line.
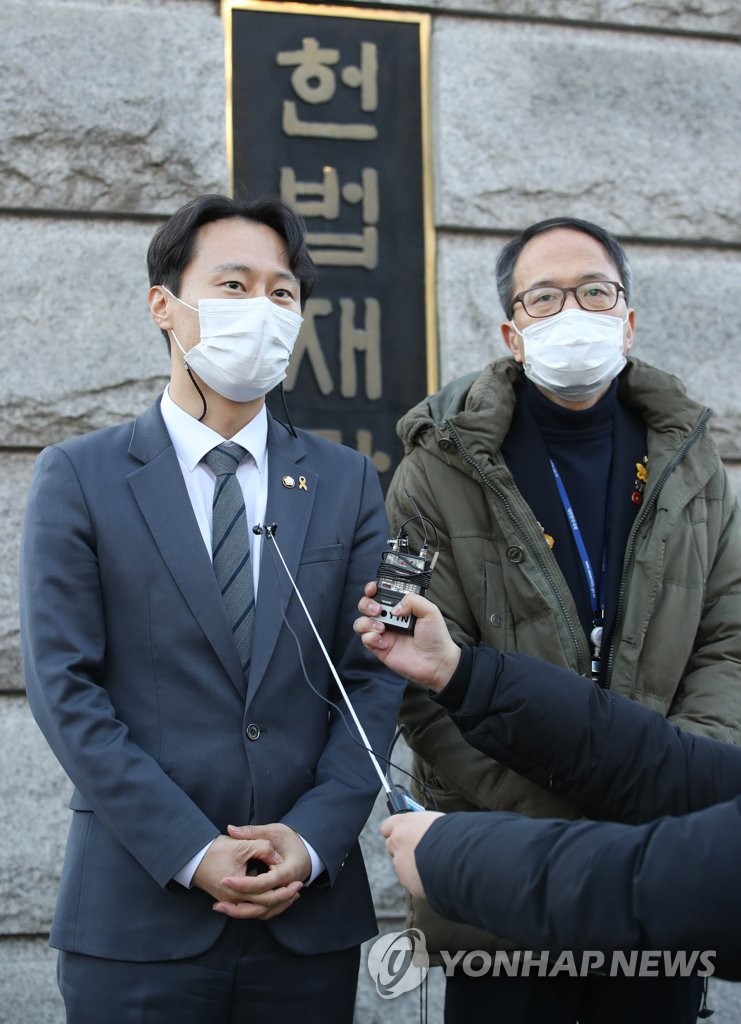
[(222, 872)]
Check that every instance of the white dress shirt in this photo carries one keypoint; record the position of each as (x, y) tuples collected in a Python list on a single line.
[(191, 441)]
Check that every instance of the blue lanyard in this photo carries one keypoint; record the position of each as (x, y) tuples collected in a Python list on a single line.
[(597, 601)]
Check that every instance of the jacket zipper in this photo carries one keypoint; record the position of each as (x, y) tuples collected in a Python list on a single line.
[(640, 519), (463, 452)]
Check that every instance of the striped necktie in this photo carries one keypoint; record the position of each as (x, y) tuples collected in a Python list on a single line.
[(231, 547)]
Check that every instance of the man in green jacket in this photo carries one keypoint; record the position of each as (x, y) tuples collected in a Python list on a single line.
[(584, 517)]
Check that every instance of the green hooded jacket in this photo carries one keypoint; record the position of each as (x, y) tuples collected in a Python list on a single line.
[(676, 645)]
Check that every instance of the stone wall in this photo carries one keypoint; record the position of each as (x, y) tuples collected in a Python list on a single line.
[(113, 115)]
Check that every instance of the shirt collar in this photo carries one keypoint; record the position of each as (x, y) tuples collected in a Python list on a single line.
[(192, 439)]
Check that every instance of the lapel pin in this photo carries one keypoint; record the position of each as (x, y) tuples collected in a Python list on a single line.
[(639, 485), (548, 538), (288, 481), (302, 484)]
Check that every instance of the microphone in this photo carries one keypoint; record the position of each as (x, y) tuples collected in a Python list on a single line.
[(398, 799), (401, 572)]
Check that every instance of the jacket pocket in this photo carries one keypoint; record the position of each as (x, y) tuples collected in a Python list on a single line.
[(325, 553)]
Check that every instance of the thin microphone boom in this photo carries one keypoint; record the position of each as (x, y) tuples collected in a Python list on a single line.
[(269, 532)]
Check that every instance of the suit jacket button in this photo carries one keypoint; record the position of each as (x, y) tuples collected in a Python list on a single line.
[(253, 731)]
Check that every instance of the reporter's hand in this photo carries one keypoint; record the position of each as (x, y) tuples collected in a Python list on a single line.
[(271, 893), (403, 832), (428, 656)]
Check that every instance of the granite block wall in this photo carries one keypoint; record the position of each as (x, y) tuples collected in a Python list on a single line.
[(113, 114)]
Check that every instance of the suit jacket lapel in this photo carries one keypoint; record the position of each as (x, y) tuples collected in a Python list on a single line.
[(290, 509), (159, 490)]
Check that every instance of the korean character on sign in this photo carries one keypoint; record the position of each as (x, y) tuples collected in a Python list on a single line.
[(360, 349), (314, 82), (322, 199)]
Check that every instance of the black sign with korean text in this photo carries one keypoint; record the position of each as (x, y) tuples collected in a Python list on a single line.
[(327, 107)]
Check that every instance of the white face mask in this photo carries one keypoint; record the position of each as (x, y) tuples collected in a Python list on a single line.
[(245, 345), (574, 354)]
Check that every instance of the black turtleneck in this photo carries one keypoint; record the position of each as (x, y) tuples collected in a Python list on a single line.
[(595, 451), (580, 443)]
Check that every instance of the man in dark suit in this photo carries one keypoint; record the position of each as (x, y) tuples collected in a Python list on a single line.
[(182, 701)]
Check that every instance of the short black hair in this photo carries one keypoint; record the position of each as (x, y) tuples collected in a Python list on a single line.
[(507, 259), (171, 248)]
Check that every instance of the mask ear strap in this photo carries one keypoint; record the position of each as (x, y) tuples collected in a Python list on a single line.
[(177, 342), (175, 297), (189, 371)]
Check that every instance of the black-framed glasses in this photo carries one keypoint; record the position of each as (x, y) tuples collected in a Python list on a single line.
[(594, 296)]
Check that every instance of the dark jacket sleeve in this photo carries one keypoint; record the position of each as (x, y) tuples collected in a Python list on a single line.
[(614, 757), (554, 885)]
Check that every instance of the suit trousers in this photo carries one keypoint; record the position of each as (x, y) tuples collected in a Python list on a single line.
[(245, 978)]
